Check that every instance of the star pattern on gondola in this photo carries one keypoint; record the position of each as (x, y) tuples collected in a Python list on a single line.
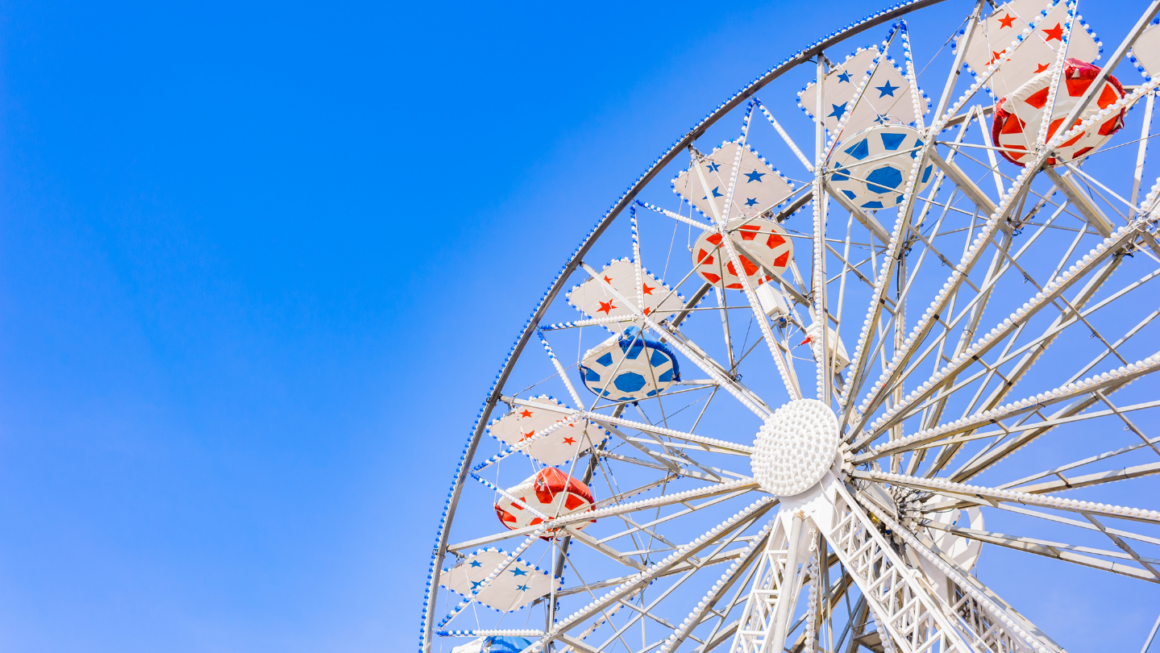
[(886, 89)]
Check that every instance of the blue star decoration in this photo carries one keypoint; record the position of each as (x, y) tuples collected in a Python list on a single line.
[(839, 111), (522, 588), (755, 176), (844, 77), (881, 119), (716, 193), (519, 572), (712, 166), (887, 89), (476, 583), (752, 201), (476, 563)]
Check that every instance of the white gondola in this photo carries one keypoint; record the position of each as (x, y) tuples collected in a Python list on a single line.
[(629, 367), (763, 248), (546, 495), (869, 168), (1018, 118)]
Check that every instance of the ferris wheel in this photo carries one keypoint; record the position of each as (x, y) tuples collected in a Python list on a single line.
[(799, 396)]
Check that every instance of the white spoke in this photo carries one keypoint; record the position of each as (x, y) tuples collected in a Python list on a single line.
[(1050, 292), (1059, 551), (716, 592), (1093, 384), (1087, 480), (645, 577), (950, 488)]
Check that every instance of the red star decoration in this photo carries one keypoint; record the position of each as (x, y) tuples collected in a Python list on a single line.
[(525, 413), (606, 279), (606, 308), (1055, 33), (1041, 67), (648, 289), (569, 440), (1006, 21), (527, 435), (995, 56)]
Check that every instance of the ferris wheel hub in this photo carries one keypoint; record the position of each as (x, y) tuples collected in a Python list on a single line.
[(794, 447)]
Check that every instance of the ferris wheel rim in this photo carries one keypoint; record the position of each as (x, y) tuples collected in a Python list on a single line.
[(574, 260), (801, 57)]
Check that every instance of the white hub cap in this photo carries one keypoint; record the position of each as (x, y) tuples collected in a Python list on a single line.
[(795, 447)]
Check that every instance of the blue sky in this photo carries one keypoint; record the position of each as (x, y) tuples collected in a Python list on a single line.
[(258, 265)]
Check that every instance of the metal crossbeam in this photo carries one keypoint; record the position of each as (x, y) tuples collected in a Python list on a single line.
[(1056, 550)]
